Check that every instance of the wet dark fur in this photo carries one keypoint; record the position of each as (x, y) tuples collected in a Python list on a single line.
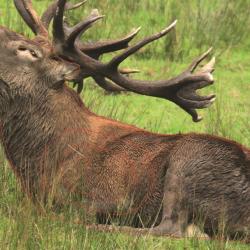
[(55, 145)]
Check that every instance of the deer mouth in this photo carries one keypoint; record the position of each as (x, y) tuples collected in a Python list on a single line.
[(72, 73)]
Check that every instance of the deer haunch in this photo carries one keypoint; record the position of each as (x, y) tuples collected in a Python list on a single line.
[(59, 149), (208, 179)]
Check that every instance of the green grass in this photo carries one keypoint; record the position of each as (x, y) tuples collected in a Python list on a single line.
[(223, 24)]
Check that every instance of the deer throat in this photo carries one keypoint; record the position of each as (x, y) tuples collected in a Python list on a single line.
[(27, 131)]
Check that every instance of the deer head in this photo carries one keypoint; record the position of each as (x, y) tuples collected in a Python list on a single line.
[(26, 66), (26, 61), (43, 63)]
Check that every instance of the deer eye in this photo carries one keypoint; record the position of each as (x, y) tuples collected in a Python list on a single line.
[(33, 53), (21, 48), (27, 53)]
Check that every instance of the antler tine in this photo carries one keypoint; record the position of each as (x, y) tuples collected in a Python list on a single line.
[(71, 6), (48, 14), (58, 29), (196, 62), (209, 67), (79, 84), (131, 50), (81, 27), (127, 71), (96, 49), (108, 85), (24, 14), (30, 16)]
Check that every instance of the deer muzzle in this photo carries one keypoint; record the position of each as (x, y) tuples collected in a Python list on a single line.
[(72, 72)]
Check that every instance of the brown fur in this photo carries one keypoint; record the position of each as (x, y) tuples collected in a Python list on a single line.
[(57, 146)]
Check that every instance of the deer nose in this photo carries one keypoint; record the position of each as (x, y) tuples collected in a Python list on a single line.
[(72, 71)]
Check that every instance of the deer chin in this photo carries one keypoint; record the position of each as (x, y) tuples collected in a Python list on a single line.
[(71, 76)]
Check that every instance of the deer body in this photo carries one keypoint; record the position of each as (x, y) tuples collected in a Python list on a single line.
[(58, 148), (120, 169)]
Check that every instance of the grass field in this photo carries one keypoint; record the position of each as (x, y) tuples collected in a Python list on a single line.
[(223, 24)]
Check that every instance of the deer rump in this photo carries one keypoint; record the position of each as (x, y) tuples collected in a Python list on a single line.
[(60, 150)]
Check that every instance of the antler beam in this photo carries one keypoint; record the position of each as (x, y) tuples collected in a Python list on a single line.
[(31, 18)]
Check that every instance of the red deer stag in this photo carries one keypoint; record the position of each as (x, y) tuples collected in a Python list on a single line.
[(55, 145)]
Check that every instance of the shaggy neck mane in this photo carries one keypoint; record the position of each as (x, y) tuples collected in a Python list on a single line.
[(34, 125)]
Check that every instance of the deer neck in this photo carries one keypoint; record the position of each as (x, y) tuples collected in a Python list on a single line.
[(27, 127), (40, 121)]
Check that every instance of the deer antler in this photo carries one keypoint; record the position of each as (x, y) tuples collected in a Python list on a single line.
[(94, 49), (180, 90), (49, 14), (31, 18)]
